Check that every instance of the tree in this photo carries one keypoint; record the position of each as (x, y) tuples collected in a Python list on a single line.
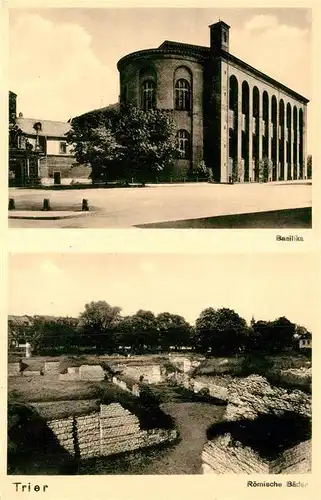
[(94, 142), (222, 331), (19, 330), (50, 334), (149, 141), (173, 330), (144, 330), (272, 336), (264, 170), (203, 329), (282, 334), (125, 142), (98, 325), (238, 171), (309, 167)]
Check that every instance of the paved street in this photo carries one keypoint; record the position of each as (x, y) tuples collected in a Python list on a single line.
[(128, 207)]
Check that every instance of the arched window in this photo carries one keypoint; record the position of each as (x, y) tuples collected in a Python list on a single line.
[(182, 95), (183, 143), (148, 95)]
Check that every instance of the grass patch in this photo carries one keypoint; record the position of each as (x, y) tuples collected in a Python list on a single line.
[(298, 218), (63, 409), (43, 389), (177, 394)]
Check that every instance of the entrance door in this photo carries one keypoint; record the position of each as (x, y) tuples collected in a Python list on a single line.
[(57, 177)]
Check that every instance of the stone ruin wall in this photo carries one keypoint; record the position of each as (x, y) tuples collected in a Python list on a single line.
[(247, 398), (112, 430), (223, 456), (253, 395), (152, 373)]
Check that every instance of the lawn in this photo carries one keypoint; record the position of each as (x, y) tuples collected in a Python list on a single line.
[(43, 388)]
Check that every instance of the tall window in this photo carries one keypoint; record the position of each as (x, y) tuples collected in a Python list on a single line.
[(148, 95), (182, 95), (183, 143)]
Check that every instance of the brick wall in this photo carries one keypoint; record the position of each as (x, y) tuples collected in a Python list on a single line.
[(88, 435), (83, 372), (166, 68), (66, 165), (63, 430), (215, 390), (133, 388), (112, 430), (222, 457), (151, 373), (51, 367)]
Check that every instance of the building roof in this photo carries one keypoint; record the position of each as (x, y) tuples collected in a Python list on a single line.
[(203, 53), (49, 128), (115, 106), (306, 336)]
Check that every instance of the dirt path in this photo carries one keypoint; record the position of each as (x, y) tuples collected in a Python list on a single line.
[(192, 419)]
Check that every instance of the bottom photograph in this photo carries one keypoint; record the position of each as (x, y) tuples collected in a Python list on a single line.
[(159, 364)]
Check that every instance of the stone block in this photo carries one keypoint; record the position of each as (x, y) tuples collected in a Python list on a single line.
[(13, 369), (73, 370), (31, 373), (119, 421), (113, 410), (52, 367), (91, 372)]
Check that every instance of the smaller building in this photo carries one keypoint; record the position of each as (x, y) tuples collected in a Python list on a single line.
[(39, 152), (305, 341)]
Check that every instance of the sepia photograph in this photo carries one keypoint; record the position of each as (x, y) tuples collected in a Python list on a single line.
[(190, 118), (154, 364)]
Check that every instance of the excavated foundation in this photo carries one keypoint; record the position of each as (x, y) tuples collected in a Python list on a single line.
[(268, 444), (266, 430)]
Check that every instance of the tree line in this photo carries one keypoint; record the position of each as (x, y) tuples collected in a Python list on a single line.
[(101, 328)]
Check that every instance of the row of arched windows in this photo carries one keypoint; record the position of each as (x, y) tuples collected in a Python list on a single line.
[(182, 95), (277, 127), (261, 106)]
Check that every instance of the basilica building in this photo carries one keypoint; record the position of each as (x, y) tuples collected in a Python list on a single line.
[(227, 114)]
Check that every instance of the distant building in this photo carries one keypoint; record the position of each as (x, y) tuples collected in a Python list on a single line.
[(305, 341), (39, 153), (227, 113)]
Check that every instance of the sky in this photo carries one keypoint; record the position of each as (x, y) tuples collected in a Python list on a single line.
[(62, 62), (265, 285)]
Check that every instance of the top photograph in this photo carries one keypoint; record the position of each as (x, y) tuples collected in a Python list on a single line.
[(160, 118)]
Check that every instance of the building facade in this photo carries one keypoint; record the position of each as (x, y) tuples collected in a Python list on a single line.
[(39, 152), (227, 113)]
